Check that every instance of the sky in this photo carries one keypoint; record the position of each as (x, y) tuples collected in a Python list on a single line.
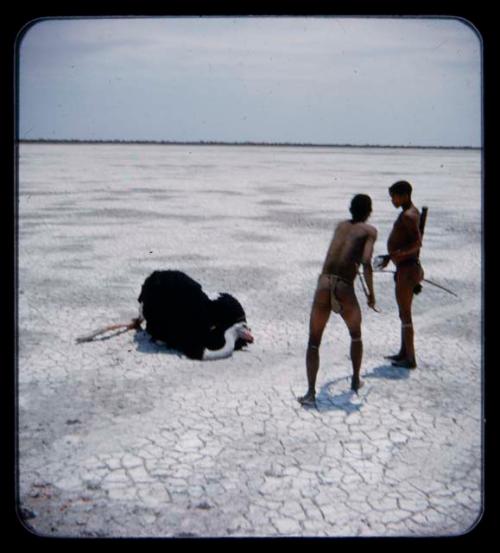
[(322, 80)]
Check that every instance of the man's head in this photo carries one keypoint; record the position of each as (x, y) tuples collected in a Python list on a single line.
[(400, 193), (361, 207)]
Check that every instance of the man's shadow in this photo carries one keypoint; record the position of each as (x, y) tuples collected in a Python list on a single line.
[(388, 372), (346, 399)]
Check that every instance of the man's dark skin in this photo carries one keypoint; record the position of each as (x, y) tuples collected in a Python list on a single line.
[(351, 246), (403, 248)]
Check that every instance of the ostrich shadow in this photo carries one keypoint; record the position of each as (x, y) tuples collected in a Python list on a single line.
[(146, 344), (142, 339)]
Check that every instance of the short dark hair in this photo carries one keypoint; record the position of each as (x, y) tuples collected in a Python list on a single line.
[(400, 188), (361, 207)]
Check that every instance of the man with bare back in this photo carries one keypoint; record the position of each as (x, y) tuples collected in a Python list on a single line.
[(352, 245), (403, 246)]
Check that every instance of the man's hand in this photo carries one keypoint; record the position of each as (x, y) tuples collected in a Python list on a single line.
[(397, 256), (381, 262), (371, 303)]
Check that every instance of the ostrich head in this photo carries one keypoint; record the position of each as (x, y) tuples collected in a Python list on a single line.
[(242, 332), (226, 312)]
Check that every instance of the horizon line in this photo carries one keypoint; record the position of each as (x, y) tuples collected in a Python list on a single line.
[(236, 143)]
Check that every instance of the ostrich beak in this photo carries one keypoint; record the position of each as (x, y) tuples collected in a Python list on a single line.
[(246, 334)]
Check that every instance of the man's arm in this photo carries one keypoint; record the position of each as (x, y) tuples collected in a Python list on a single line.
[(366, 260)]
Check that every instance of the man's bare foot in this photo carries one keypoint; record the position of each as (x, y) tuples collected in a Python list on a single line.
[(356, 384), (405, 363), (396, 357), (309, 400)]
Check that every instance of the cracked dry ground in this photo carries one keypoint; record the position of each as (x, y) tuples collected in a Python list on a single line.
[(121, 437), (142, 451)]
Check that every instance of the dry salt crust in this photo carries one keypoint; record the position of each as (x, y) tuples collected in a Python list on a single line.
[(121, 437)]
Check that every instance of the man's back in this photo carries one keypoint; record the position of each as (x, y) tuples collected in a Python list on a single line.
[(346, 248)]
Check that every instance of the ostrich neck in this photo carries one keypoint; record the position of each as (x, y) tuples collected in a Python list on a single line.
[(226, 350)]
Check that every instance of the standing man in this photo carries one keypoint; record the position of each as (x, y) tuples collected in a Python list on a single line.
[(404, 245), (352, 245)]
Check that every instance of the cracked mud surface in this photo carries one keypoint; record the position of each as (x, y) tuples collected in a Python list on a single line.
[(121, 437)]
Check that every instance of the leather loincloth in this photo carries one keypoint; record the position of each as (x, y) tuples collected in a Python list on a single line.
[(329, 282), (408, 263)]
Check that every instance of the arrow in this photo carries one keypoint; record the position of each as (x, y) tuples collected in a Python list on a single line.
[(428, 282)]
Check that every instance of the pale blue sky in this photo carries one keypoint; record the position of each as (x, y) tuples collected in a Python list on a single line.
[(388, 81)]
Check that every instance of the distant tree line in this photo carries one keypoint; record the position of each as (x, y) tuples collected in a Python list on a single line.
[(222, 143)]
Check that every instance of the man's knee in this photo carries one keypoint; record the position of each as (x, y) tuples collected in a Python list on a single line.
[(355, 335), (314, 343), (405, 317)]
